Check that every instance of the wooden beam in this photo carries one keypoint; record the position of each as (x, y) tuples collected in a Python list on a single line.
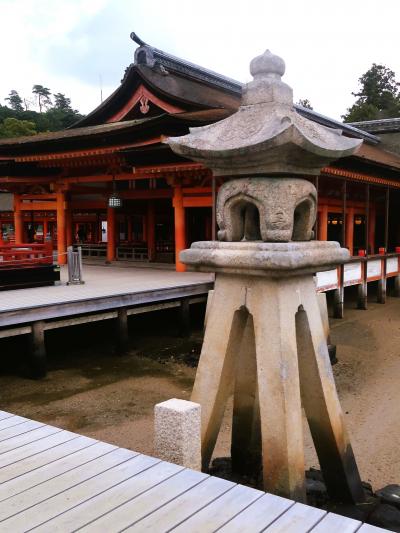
[(38, 206), (143, 93)]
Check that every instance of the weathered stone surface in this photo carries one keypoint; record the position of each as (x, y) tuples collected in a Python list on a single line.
[(177, 432), (276, 260), (390, 494), (266, 209), (266, 135), (386, 516)]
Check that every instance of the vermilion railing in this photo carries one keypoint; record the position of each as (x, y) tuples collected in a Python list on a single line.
[(25, 255)]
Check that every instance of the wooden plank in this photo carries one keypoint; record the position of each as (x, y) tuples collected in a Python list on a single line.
[(31, 449), (79, 458), (258, 515), (13, 332), (299, 518), (41, 513), (26, 438), (11, 421), (114, 497), (31, 468), (367, 528), (12, 513), (83, 501), (182, 507), (4, 414), (19, 429), (332, 523), (221, 511), (74, 321), (148, 502)]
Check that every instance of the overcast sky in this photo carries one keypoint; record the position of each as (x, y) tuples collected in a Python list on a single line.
[(74, 46)]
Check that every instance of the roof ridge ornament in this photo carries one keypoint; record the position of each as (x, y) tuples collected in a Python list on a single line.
[(137, 39), (266, 136)]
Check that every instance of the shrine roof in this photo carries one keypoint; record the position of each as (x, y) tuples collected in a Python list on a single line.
[(192, 87), (133, 131), (383, 125)]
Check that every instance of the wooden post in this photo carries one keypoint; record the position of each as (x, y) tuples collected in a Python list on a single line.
[(323, 224), (350, 230), (18, 220), (37, 356), (180, 227), (381, 296), (338, 306), (184, 311), (362, 301), (151, 231), (61, 228), (122, 332), (110, 234)]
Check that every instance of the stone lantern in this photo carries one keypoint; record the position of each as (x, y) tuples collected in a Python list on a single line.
[(264, 340)]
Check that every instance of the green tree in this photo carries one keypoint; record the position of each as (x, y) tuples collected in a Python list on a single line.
[(15, 101), (42, 95), (62, 102), (304, 102), (12, 127), (378, 97)]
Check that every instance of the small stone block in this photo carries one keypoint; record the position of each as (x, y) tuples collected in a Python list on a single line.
[(177, 432)]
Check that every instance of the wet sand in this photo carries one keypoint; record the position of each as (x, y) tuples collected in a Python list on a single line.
[(95, 392)]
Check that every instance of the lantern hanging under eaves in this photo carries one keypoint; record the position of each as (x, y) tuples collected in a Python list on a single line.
[(114, 201)]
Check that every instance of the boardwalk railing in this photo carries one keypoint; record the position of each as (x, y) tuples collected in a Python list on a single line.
[(25, 255), (360, 271)]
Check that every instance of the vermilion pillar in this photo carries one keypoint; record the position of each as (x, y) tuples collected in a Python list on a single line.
[(61, 228), (69, 227), (18, 220), (151, 231), (371, 231), (45, 228), (180, 227), (111, 234), (350, 229), (323, 224)]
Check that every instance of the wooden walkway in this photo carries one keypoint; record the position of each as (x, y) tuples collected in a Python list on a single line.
[(105, 288), (52, 480)]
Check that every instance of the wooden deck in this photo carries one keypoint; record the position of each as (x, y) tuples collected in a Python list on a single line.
[(54, 480), (105, 289)]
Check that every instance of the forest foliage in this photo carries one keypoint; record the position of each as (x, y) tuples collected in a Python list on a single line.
[(43, 112)]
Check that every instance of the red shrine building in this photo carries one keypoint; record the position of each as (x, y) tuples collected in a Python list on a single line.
[(111, 184)]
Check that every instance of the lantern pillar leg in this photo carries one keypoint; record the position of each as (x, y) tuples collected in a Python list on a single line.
[(110, 234)]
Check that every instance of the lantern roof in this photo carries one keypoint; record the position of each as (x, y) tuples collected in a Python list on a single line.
[(266, 135)]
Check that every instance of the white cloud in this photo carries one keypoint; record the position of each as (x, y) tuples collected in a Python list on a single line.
[(67, 44)]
